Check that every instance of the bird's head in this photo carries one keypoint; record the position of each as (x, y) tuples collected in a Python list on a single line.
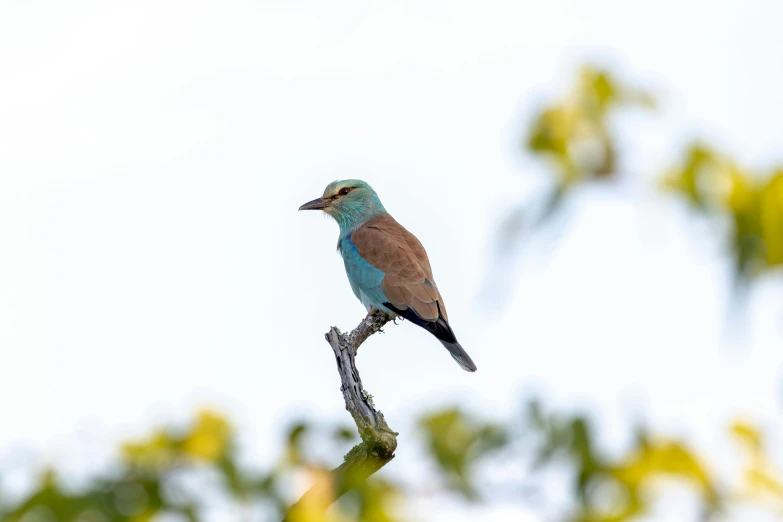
[(350, 202)]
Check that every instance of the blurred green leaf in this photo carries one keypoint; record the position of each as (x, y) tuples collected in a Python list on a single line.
[(456, 442), (753, 206), (574, 134)]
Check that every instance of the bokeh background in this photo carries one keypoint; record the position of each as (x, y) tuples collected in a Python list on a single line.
[(599, 187)]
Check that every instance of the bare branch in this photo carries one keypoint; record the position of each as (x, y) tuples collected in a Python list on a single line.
[(378, 440)]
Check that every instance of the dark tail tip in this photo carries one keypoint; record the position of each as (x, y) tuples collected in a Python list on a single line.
[(460, 355)]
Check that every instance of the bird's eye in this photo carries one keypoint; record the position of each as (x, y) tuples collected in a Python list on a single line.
[(344, 191)]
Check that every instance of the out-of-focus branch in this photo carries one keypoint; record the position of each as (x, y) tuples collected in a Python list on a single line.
[(378, 440)]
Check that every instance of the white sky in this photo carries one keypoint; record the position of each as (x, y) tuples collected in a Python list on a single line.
[(153, 156)]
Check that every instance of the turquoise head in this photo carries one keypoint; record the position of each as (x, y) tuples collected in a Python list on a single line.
[(350, 202)]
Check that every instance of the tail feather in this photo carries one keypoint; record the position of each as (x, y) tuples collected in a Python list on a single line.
[(460, 355), (441, 329)]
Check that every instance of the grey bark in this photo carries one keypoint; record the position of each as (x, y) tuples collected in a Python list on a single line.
[(378, 440)]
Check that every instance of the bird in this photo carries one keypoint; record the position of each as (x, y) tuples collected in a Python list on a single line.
[(387, 266)]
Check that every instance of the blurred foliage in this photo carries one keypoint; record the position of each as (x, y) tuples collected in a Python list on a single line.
[(614, 490), (574, 134), (148, 480), (762, 482), (183, 472), (575, 138), (751, 205), (173, 472), (457, 442)]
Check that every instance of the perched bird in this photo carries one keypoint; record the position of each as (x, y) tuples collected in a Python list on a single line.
[(386, 265)]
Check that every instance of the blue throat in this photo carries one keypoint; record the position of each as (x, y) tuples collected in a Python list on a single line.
[(354, 213)]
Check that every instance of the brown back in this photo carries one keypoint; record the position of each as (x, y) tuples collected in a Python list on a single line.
[(386, 245)]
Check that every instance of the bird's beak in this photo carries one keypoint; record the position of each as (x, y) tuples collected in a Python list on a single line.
[(316, 204)]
